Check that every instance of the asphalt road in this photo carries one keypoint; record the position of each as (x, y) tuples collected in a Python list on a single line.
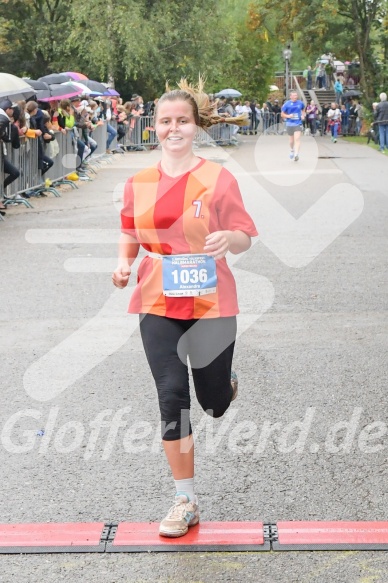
[(305, 440)]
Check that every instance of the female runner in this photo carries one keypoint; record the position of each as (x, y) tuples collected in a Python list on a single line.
[(187, 213)]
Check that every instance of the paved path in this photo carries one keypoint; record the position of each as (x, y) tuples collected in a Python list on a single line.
[(312, 364)]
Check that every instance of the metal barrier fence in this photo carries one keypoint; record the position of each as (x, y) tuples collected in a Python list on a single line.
[(100, 135), (140, 134), (25, 159), (222, 134), (272, 123), (65, 160)]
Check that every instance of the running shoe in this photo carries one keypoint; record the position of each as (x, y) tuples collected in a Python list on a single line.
[(296, 158), (183, 514), (234, 383), (292, 155)]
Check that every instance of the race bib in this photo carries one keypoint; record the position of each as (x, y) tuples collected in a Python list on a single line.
[(188, 275), (295, 115)]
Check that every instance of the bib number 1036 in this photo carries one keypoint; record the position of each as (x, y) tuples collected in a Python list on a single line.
[(189, 275)]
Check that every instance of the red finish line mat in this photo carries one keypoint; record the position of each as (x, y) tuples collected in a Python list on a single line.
[(53, 538), (206, 536), (314, 536)]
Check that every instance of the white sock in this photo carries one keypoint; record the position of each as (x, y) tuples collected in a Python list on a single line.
[(185, 486)]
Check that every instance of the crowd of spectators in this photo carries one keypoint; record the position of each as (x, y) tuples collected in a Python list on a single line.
[(78, 116), (345, 116), (266, 114)]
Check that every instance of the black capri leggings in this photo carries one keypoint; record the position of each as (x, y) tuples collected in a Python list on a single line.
[(209, 343)]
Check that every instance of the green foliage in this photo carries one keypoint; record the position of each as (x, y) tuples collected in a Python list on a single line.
[(108, 39), (31, 35), (251, 66), (139, 43), (343, 27), (185, 39)]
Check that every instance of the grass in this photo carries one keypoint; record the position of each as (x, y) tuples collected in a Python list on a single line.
[(361, 140)]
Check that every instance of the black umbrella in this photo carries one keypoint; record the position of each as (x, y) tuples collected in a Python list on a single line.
[(55, 78), (42, 90), (39, 85), (95, 86), (352, 93)]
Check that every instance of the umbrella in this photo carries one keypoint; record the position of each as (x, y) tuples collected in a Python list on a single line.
[(39, 85), (41, 88), (76, 76), (85, 90), (340, 66), (112, 93), (60, 91), (95, 86), (56, 78), (228, 93), (14, 87), (352, 93)]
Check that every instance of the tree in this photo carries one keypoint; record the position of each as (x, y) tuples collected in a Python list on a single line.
[(252, 64), (363, 16), (32, 33), (186, 38), (138, 43), (112, 42), (343, 27)]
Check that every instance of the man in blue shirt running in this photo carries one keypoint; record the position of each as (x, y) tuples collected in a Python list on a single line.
[(293, 111)]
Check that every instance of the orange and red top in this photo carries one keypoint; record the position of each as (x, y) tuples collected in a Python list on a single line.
[(172, 216)]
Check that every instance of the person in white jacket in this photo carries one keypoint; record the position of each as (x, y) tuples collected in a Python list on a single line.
[(334, 116)]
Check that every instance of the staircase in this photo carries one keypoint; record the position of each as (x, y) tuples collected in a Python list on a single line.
[(322, 96)]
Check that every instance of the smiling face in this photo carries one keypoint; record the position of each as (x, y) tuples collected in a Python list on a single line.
[(175, 126)]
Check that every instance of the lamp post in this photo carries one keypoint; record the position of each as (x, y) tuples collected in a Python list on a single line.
[(287, 53)]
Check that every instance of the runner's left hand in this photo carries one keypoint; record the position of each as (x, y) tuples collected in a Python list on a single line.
[(217, 244)]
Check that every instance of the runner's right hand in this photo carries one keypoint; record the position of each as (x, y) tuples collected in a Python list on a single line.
[(120, 276)]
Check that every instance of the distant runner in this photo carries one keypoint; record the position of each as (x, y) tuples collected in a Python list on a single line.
[(293, 111)]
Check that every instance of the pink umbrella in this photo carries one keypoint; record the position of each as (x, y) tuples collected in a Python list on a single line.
[(76, 76), (62, 91)]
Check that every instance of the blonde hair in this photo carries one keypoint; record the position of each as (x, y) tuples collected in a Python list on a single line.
[(204, 111)]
